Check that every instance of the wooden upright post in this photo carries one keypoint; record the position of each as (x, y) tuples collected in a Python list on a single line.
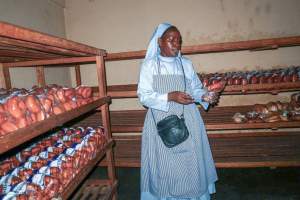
[(105, 118), (40, 73), (2, 79), (78, 75), (5, 81)]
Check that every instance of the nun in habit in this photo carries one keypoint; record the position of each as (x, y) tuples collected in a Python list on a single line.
[(169, 85)]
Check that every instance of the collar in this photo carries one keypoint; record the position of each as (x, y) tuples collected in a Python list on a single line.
[(167, 59)]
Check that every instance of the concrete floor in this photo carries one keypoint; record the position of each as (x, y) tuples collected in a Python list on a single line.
[(233, 184)]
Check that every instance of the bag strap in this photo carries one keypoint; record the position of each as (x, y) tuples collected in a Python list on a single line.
[(158, 64)]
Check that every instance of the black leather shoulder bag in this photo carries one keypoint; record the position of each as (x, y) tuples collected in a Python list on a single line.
[(172, 129)]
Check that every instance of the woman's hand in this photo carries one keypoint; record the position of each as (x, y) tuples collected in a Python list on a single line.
[(211, 97), (180, 97)]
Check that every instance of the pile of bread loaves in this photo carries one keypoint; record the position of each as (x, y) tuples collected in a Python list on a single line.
[(272, 112), (20, 107), (44, 169)]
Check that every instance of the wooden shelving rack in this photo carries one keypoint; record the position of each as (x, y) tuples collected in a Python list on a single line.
[(129, 90), (22, 47), (233, 145)]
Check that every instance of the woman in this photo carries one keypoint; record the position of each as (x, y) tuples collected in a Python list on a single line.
[(168, 85)]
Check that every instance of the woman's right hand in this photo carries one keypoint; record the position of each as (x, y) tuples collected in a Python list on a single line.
[(180, 97)]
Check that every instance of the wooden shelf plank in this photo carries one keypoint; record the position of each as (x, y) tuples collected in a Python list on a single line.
[(221, 164), (230, 150), (218, 118), (217, 47), (272, 88), (129, 90), (70, 188), (20, 136), (20, 44), (135, 128), (244, 164), (241, 126), (48, 62)]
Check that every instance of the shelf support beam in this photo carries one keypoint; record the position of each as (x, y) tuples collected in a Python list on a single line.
[(5, 81), (40, 73), (105, 116), (78, 75)]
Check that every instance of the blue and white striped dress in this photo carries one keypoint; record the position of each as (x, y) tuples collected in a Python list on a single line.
[(186, 171)]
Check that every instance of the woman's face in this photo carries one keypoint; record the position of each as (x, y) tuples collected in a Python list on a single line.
[(170, 43)]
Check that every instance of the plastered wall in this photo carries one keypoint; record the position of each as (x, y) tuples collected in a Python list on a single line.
[(126, 25), (42, 15)]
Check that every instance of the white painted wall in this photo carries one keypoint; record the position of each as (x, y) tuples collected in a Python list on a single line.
[(42, 15), (125, 25)]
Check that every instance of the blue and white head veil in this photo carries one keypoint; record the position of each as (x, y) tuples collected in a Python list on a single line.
[(153, 49)]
